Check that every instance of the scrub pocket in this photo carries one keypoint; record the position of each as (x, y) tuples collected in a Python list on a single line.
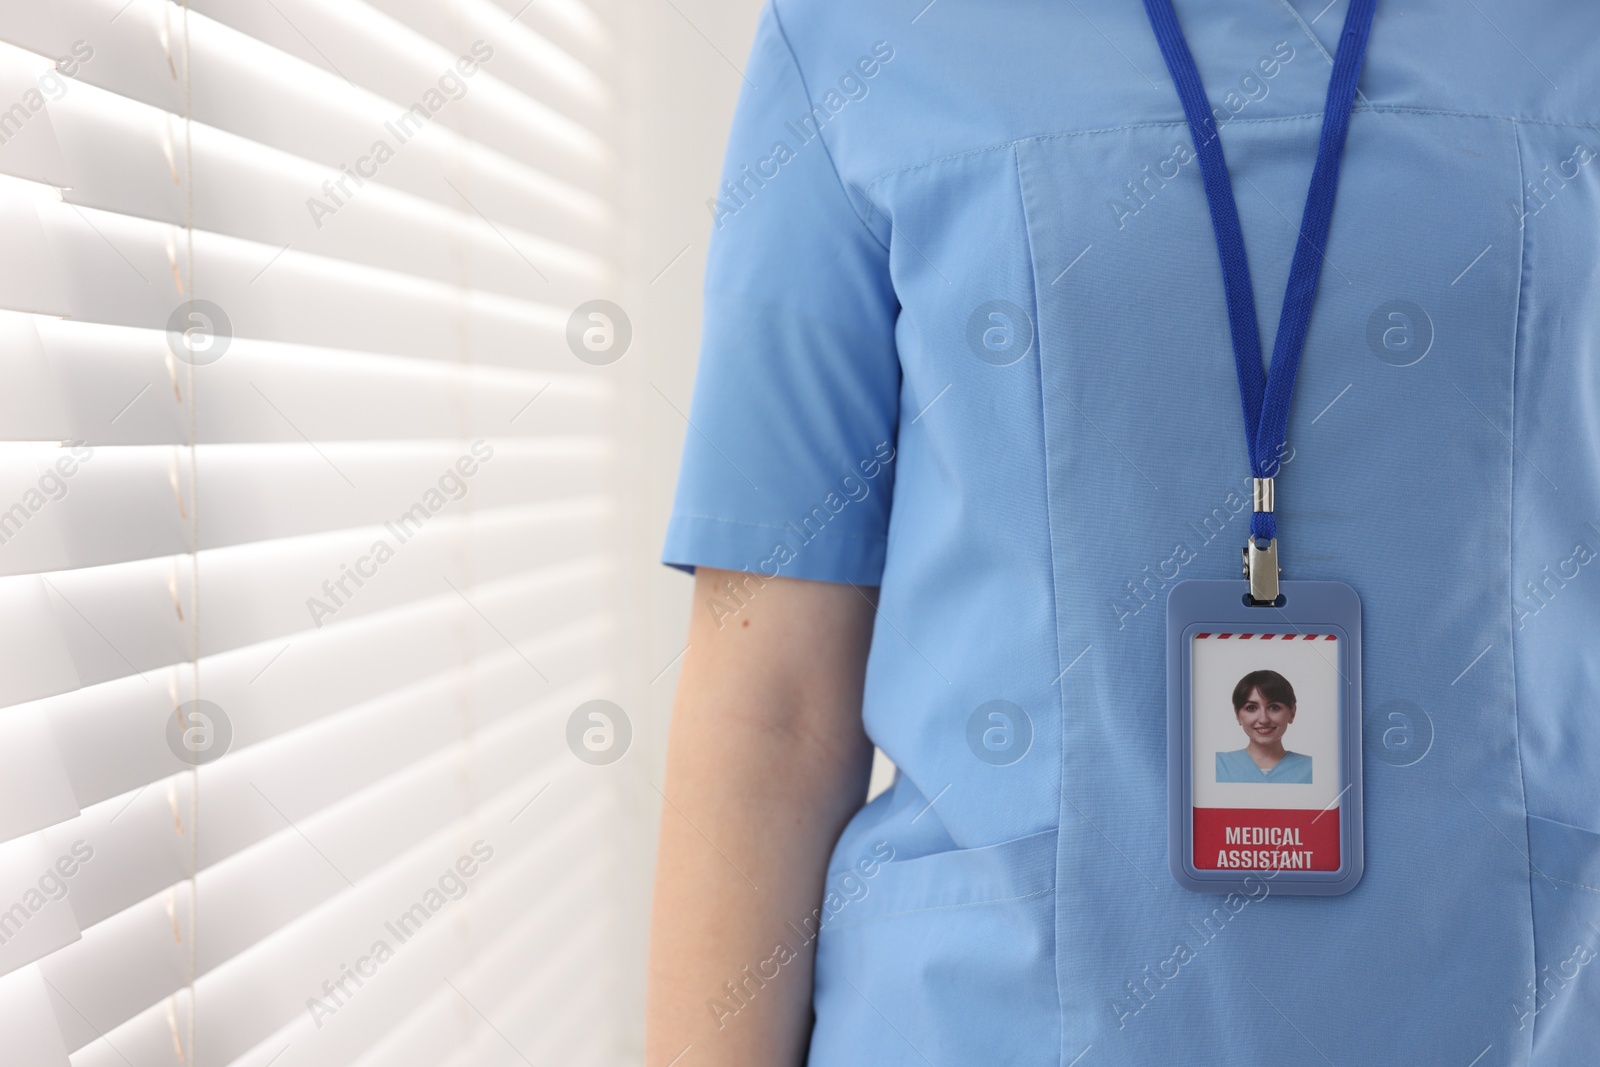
[(1563, 1002), (948, 958)]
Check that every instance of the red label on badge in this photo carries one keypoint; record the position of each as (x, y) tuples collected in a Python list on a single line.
[(1259, 839)]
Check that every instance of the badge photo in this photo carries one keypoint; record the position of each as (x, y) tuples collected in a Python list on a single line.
[(1264, 745)]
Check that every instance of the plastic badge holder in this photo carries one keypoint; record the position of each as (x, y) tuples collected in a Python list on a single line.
[(1302, 837)]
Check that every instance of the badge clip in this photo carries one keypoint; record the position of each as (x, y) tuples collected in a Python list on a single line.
[(1261, 564), (1261, 568)]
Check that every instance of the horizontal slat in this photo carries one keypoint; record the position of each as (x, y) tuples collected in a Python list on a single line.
[(30, 276), (552, 940), (543, 1020), (26, 1018), (34, 658), (536, 64), (573, 26), (116, 504), (255, 994), (289, 98), (134, 618), (321, 119), (353, 44), (130, 52), (564, 877), (112, 736), (31, 405), (263, 890), (132, 159), (280, 594), (35, 791), (28, 83), (111, 385), (141, 847), (360, 838), (121, 270), (566, 934), (121, 965), (138, 840), (35, 918)]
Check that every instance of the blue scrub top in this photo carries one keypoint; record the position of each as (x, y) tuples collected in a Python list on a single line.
[(965, 339), (1237, 766)]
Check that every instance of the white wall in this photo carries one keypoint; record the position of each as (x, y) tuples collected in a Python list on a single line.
[(679, 62)]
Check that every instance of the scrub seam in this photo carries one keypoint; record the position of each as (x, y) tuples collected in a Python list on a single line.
[(1309, 32), (1575, 885), (1180, 123), (1055, 616), (805, 90), (1511, 534), (879, 916)]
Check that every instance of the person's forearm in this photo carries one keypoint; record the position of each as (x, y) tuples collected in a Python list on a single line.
[(766, 762)]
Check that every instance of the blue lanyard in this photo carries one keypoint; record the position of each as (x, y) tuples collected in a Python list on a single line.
[(1265, 397)]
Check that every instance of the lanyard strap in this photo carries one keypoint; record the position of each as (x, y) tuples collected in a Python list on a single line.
[(1265, 396)]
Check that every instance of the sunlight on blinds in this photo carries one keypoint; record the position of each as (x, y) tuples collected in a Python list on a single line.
[(306, 507)]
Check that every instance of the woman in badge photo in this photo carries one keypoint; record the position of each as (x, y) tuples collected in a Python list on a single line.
[(1264, 705), (984, 374)]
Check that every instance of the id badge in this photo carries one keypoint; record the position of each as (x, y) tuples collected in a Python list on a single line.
[(1264, 738)]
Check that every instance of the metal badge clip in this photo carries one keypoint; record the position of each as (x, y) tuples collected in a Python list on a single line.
[(1261, 568), (1261, 564)]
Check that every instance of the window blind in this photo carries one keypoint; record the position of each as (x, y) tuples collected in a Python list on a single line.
[(306, 521)]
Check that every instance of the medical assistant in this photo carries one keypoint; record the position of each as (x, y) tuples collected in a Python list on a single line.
[(965, 339), (1237, 766)]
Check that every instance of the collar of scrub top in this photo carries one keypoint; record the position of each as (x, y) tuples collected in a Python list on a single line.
[(1264, 395)]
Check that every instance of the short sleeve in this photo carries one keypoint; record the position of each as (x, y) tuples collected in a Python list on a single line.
[(788, 457)]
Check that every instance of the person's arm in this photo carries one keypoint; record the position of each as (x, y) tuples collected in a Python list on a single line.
[(766, 762)]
